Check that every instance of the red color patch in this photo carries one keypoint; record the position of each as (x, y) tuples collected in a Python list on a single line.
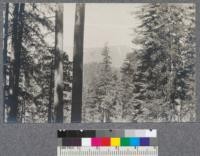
[(105, 141)]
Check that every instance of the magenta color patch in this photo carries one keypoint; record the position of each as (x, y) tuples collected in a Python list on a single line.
[(96, 141)]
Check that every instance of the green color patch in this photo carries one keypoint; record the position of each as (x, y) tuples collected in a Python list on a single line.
[(125, 142)]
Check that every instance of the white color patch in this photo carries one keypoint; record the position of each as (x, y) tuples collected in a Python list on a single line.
[(86, 141)]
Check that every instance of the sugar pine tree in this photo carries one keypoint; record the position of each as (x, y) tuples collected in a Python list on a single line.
[(99, 95), (103, 85)]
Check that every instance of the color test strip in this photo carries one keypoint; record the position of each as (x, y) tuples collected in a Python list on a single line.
[(109, 141), (107, 133), (104, 142)]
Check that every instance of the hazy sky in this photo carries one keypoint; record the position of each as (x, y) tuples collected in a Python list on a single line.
[(112, 23)]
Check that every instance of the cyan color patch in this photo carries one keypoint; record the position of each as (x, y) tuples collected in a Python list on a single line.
[(134, 141)]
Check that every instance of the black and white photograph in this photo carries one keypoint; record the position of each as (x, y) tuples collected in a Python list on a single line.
[(99, 62)]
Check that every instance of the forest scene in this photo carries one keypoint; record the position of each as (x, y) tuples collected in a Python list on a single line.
[(99, 62)]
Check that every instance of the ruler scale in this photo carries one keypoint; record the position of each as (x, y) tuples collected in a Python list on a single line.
[(107, 151)]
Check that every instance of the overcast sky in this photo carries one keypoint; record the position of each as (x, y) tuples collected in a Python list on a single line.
[(112, 23)]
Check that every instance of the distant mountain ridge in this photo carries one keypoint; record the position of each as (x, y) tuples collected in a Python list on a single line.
[(117, 53)]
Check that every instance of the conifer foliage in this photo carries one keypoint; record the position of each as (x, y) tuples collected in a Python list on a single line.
[(156, 82), (30, 50)]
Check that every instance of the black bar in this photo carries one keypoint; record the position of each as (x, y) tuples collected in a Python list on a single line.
[(76, 134)]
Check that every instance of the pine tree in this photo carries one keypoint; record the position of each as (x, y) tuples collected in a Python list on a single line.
[(104, 86)]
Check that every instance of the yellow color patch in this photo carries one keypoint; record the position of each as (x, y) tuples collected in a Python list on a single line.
[(115, 141)]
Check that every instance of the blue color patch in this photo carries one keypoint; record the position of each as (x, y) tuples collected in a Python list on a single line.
[(144, 141), (134, 141)]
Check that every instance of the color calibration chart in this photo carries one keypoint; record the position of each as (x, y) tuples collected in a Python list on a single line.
[(129, 142)]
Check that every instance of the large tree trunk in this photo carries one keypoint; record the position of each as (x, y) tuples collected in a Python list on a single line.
[(18, 55), (5, 50), (12, 106), (50, 94), (78, 63), (17, 33), (58, 80)]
